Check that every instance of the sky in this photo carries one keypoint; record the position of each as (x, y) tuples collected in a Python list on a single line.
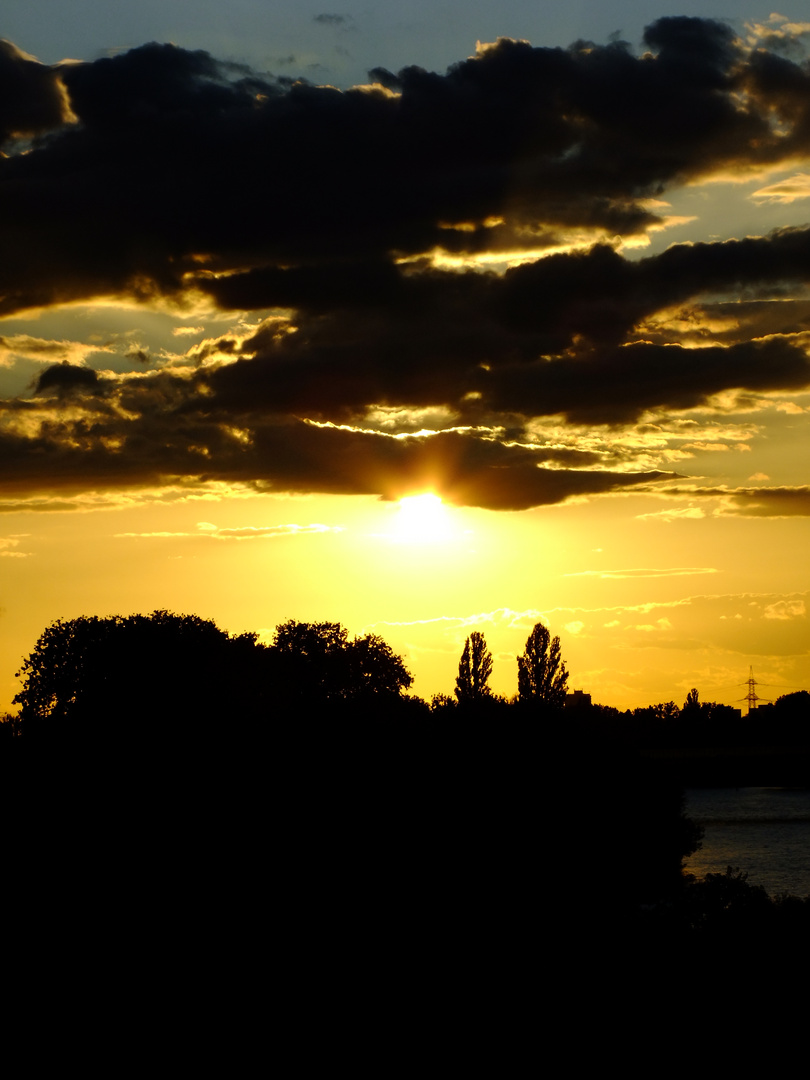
[(456, 319)]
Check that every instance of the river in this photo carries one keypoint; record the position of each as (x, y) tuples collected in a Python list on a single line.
[(763, 831)]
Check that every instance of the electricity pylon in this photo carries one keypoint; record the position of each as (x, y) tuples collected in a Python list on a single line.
[(751, 697)]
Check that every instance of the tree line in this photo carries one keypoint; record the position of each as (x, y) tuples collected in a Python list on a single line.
[(696, 724), (89, 672)]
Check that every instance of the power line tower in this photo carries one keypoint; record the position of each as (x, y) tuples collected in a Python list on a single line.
[(751, 697)]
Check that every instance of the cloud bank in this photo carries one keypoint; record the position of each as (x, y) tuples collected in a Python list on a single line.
[(443, 244)]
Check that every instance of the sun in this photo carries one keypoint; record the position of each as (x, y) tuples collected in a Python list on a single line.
[(422, 519)]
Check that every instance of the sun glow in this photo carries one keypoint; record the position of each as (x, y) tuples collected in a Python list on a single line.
[(422, 519)]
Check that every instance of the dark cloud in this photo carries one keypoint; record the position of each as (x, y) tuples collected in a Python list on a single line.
[(553, 337), (596, 293), (771, 502), (177, 155), (332, 20), (602, 296), (32, 98), (320, 210), (138, 354), (64, 378), (102, 448), (385, 78), (620, 386)]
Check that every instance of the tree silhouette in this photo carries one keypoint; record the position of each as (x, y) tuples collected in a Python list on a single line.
[(692, 703), (96, 677), (317, 663), (667, 712), (542, 676), (375, 669), (310, 640), (169, 679), (474, 670)]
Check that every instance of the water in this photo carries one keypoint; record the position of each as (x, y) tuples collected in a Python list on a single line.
[(764, 831)]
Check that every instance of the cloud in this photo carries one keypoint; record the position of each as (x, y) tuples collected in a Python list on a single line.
[(785, 609), (332, 20), (676, 571), (549, 338), (273, 531), (770, 502), (692, 513), (771, 624), (248, 532), (8, 544), (137, 431), (778, 33), (69, 500), (33, 100), (65, 377), (362, 241), (785, 191), (44, 351), (500, 617), (404, 167)]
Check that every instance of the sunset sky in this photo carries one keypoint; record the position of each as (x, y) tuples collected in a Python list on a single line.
[(266, 271)]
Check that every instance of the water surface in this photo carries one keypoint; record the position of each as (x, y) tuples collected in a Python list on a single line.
[(763, 831)]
